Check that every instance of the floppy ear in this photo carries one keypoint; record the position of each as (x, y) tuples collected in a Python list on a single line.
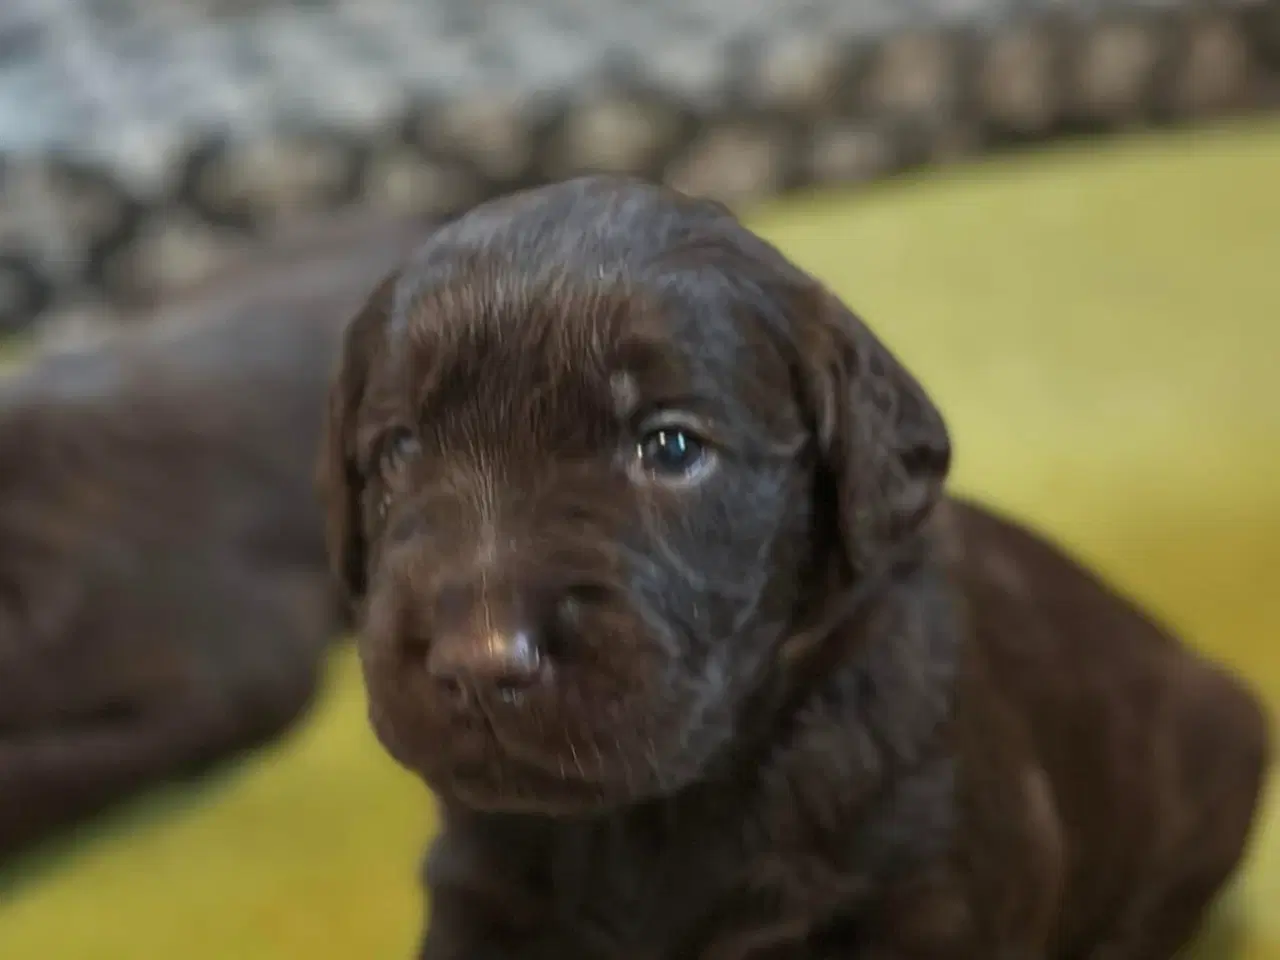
[(340, 481), (884, 445)]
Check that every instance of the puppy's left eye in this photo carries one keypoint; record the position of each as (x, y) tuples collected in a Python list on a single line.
[(398, 447), (672, 452)]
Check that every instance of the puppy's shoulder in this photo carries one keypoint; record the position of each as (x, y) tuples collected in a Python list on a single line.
[(1028, 597)]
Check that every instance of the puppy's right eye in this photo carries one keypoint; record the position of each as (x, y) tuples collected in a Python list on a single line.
[(398, 447), (670, 451)]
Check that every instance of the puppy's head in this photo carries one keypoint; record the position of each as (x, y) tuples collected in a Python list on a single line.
[(596, 455)]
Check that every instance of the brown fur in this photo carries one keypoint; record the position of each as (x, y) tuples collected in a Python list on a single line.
[(164, 599), (777, 697)]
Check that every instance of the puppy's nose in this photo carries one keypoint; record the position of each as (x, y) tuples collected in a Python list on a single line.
[(504, 661)]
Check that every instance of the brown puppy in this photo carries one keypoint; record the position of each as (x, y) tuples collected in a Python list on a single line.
[(164, 597), (662, 596)]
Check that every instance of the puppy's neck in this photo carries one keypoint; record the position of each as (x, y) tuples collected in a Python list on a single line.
[(857, 778), (871, 699)]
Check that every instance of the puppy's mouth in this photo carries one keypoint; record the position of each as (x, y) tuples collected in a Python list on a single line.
[(487, 770), (517, 754), (509, 785)]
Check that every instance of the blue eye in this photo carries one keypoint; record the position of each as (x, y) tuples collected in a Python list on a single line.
[(670, 451)]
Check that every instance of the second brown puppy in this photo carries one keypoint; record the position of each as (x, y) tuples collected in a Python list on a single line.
[(662, 596), (165, 602)]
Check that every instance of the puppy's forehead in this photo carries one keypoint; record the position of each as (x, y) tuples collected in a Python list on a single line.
[(606, 330), (583, 285), (550, 322)]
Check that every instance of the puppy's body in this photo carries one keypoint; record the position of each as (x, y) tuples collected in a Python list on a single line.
[(673, 616), (1152, 758), (164, 598)]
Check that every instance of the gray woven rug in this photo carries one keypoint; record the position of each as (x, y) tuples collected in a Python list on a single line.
[(143, 142)]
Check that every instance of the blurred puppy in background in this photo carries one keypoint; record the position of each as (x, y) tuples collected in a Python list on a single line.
[(662, 595), (164, 598)]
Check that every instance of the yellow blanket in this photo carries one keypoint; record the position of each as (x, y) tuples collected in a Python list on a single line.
[(1102, 328)]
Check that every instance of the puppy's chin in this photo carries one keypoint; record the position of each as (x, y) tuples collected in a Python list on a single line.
[(473, 769), (508, 789)]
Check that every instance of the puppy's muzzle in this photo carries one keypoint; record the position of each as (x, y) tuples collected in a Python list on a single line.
[(491, 636)]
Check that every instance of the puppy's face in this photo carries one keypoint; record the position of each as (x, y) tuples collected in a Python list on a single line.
[(579, 480)]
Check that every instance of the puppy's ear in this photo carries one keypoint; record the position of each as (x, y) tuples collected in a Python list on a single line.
[(340, 480), (883, 445)]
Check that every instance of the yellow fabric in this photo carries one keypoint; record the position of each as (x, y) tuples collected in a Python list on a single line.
[(1102, 328)]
